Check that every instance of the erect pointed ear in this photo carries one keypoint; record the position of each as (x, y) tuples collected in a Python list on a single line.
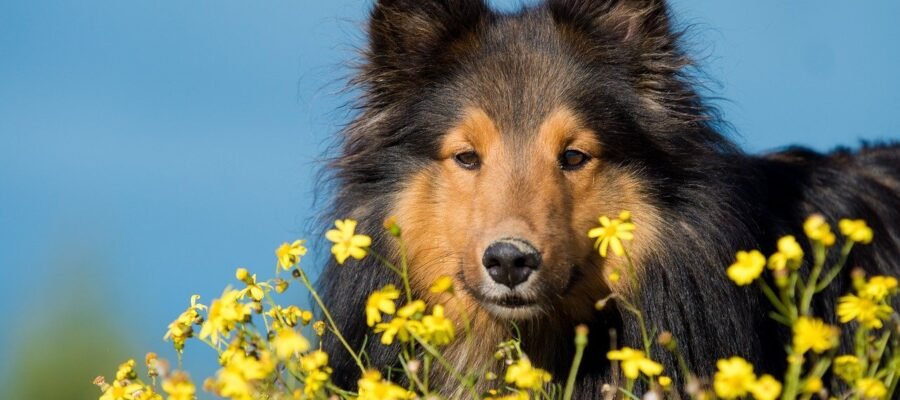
[(409, 39), (642, 22)]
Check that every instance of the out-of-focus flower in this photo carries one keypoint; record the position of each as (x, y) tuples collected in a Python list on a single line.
[(224, 314), (442, 284), (178, 386), (381, 301), (879, 288), (734, 378), (525, 376), (856, 230), (748, 266), (288, 343), (812, 333), (813, 385), (871, 389), (766, 388), (372, 387), (634, 362), (868, 313), (438, 329), (789, 254), (848, 368), (817, 229)]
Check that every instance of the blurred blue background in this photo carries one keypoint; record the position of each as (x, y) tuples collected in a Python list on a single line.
[(148, 148)]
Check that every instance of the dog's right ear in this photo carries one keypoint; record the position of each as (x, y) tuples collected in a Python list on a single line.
[(412, 40)]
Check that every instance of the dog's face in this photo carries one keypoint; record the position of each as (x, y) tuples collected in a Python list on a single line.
[(525, 129)]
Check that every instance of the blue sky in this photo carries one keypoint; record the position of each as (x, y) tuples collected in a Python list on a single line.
[(149, 148)]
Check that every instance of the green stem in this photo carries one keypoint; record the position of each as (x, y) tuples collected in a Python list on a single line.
[(779, 306), (446, 364), (334, 328), (792, 378), (836, 269), (580, 344)]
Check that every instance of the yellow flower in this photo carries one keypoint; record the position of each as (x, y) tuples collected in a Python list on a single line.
[(315, 381), (126, 371), (766, 388), (147, 393), (381, 301), (812, 385), (614, 277), (848, 368), (865, 311), (443, 284), (817, 229), (747, 268), (314, 360), (520, 395), (438, 329), (612, 232), (665, 381), (224, 313), (878, 288), (812, 333), (856, 230), (634, 362), (871, 389), (182, 328), (346, 242), (789, 254), (121, 391), (525, 376), (287, 343), (734, 378), (399, 327), (179, 387), (289, 254), (253, 289), (372, 387), (410, 310), (315, 364)]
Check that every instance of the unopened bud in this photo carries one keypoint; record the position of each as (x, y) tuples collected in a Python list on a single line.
[(390, 223), (781, 277), (242, 274), (666, 340), (581, 335), (413, 366), (100, 381), (281, 285), (319, 328), (601, 304)]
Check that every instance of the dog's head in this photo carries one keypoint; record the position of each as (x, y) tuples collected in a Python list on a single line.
[(514, 132)]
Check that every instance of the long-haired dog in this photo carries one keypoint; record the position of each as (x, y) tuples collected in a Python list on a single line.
[(498, 139)]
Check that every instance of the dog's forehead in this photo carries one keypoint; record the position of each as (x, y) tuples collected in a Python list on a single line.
[(519, 73)]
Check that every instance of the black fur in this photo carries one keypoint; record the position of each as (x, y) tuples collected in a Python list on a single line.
[(619, 63)]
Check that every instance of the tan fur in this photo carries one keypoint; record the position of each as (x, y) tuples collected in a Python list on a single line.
[(449, 215)]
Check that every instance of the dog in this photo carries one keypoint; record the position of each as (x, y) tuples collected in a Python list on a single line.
[(497, 139)]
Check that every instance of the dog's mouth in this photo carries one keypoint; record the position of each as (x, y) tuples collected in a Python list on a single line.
[(511, 307), (507, 306)]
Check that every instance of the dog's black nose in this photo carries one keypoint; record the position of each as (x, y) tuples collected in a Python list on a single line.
[(510, 261)]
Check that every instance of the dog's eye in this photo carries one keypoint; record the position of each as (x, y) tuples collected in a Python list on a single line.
[(468, 160), (573, 159)]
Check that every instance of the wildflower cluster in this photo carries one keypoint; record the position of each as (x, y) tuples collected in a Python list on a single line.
[(873, 368), (271, 351)]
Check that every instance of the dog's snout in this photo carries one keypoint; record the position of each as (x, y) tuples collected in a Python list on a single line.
[(510, 261)]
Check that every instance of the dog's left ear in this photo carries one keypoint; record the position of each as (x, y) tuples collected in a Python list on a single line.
[(411, 41), (645, 23)]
